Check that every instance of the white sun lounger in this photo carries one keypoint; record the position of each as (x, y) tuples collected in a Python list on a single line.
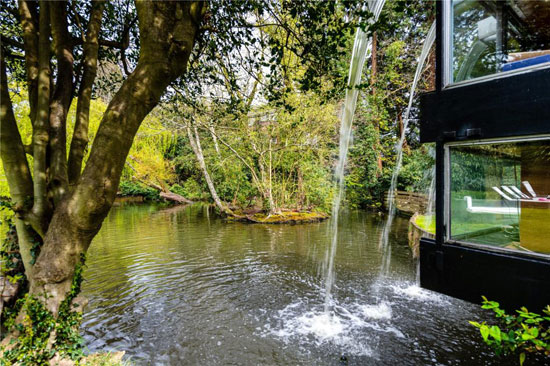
[(530, 189), (491, 210), (514, 194)]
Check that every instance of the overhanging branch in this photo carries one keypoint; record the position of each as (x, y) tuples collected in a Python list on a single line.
[(11, 148)]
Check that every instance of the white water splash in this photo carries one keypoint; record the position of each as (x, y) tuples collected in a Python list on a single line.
[(349, 328), (418, 293), (379, 311)]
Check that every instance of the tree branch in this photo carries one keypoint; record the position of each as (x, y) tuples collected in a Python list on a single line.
[(239, 156), (12, 150), (13, 42), (80, 135), (61, 102), (40, 135), (28, 15)]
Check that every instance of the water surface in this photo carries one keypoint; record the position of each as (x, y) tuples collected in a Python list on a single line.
[(179, 286)]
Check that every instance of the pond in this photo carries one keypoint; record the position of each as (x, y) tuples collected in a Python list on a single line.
[(179, 286)]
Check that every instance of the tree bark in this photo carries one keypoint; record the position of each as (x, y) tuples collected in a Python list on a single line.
[(40, 135), (12, 150), (80, 135), (29, 24), (61, 102), (16, 168), (374, 58), (195, 143), (167, 36)]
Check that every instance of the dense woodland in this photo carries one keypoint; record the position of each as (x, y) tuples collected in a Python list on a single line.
[(245, 151), (231, 103)]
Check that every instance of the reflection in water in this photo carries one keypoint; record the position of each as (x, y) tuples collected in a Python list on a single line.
[(179, 286)]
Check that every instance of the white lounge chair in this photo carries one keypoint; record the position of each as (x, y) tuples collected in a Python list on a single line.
[(513, 193), (529, 188), (490, 210)]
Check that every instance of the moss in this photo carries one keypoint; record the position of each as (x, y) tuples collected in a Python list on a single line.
[(426, 222), (288, 217), (104, 359)]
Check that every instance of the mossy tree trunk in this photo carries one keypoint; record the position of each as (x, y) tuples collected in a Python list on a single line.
[(60, 205)]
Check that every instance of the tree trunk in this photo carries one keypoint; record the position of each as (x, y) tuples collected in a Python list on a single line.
[(40, 135), (29, 24), (195, 143), (272, 207), (61, 102), (374, 58), (167, 36), (16, 168)]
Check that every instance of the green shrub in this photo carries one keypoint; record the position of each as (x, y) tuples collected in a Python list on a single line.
[(129, 188), (190, 190), (523, 333)]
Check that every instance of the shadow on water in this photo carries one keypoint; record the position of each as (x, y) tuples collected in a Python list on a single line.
[(181, 286)]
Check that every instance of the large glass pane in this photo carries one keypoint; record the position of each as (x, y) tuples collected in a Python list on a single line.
[(490, 37), (500, 194)]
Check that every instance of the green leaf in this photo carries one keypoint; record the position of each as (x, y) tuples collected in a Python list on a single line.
[(475, 324), (484, 330), (521, 358), (495, 333)]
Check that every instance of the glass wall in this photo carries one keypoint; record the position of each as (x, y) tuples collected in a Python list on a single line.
[(490, 37), (499, 194)]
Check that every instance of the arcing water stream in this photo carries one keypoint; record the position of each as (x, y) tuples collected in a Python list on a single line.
[(361, 47), (359, 55), (384, 242)]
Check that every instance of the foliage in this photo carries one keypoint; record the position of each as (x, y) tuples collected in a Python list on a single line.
[(32, 346), (6, 219), (378, 120), (269, 157), (190, 189), (523, 333), (129, 188)]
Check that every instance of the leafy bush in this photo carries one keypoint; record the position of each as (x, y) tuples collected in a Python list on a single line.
[(191, 189), (524, 333), (128, 188)]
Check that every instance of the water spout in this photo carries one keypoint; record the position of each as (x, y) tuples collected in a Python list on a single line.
[(361, 49), (384, 238)]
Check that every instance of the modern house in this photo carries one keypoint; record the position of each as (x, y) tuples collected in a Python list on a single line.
[(490, 120)]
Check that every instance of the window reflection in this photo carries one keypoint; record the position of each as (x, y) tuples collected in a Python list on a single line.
[(500, 195), (495, 36)]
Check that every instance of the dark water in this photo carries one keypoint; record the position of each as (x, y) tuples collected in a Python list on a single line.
[(179, 286)]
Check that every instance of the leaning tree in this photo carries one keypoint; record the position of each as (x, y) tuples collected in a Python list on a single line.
[(55, 48)]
